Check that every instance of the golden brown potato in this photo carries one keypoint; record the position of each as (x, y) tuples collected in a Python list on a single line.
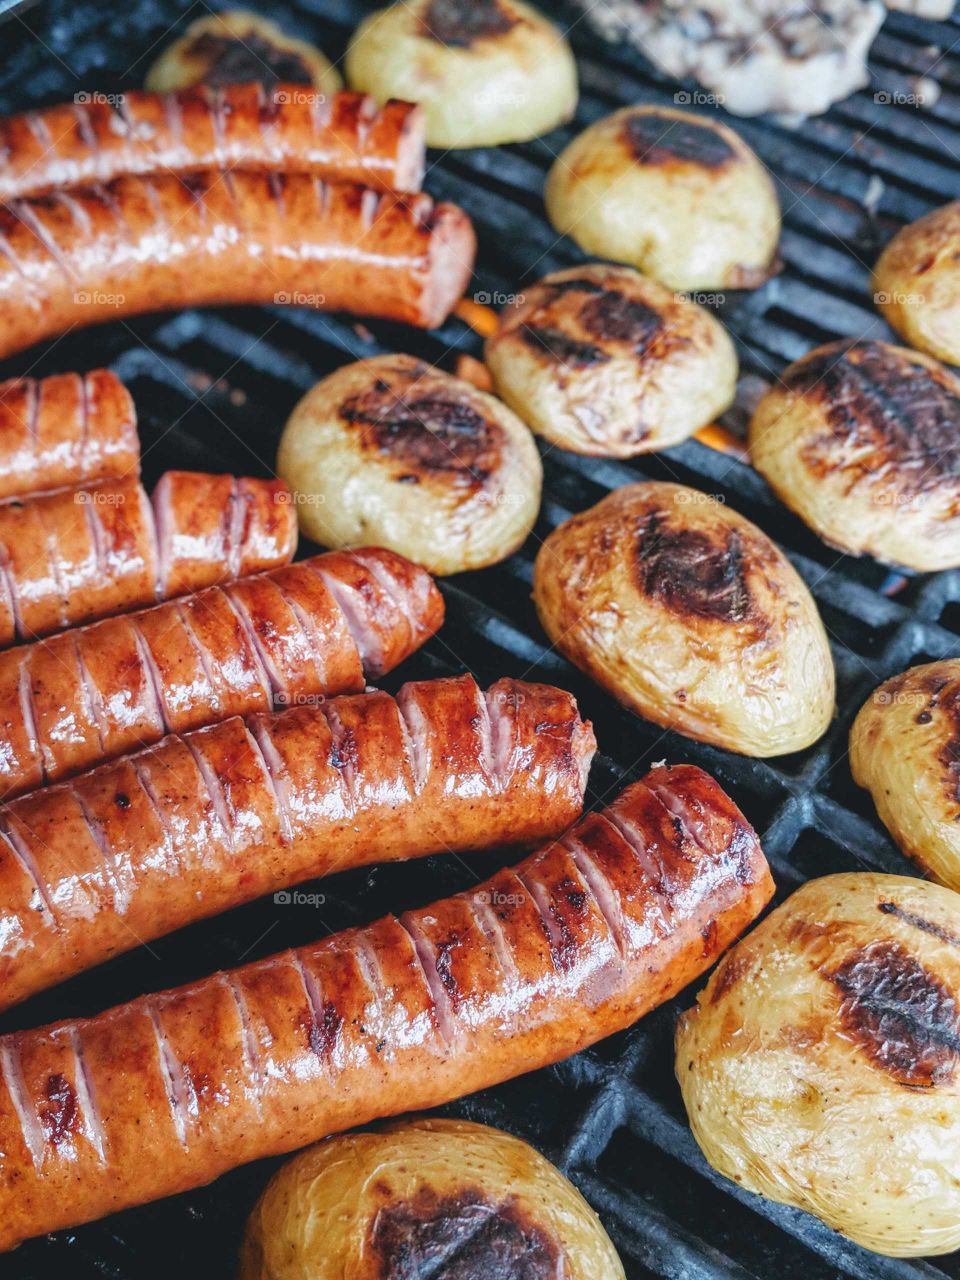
[(679, 196), (485, 71), (819, 1067), (905, 749), (916, 283), (602, 360), (394, 1203), (237, 46), (862, 441), (689, 614), (394, 453)]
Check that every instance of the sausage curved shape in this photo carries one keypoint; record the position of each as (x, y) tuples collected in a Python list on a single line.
[(73, 555), (225, 814), (216, 237), (321, 626), (577, 942), (344, 137), (68, 429)]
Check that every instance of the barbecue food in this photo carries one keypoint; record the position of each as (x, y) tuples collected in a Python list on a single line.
[(344, 138), (916, 283), (73, 555), (236, 46), (905, 749), (690, 615), (862, 441), (65, 430), (416, 1193), (679, 196), (167, 240), (393, 451), (752, 55), (322, 626), (485, 71), (819, 1066), (602, 360), (578, 941)]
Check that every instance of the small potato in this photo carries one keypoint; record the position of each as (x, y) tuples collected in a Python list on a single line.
[(862, 441), (424, 1198), (394, 453), (916, 283), (679, 196), (603, 360), (820, 1065), (689, 614), (237, 46), (905, 749), (485, 71)]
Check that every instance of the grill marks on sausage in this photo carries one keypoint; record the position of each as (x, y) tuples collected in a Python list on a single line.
[(59, 1111), (460, 23), (900, 1014), (229, 60), (692, 572), (461, 1237), (658, 138)]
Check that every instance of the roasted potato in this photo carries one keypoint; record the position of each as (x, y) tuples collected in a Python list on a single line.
[(236, 46), (485, 71), (862, 441), (395, 453), (819, 1066), (602, 360), (397, 1202), (916, 283), (905, 749), (679, 196), (689, 614)]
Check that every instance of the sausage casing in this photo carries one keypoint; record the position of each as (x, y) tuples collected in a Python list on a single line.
[(578, 941), (65, 430), (343, 137)]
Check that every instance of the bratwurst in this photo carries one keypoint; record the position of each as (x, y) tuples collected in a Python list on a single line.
[(288, 128), (219, 816), (321, 626), (581, 939)]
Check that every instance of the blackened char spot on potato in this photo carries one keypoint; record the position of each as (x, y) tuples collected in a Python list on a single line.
[(229, 60), (920, 922), (902, 1016), (692, 573), (886, 409), (460, 22), (461, 1237), (660, 139), (561, 347), (613, 317), (59, 1110)]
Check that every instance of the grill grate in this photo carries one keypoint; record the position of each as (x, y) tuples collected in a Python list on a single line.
[(213, 391)]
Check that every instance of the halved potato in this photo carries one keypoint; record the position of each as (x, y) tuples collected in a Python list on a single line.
[(690, 615), (916, 283), (820, 1065), (424, 1198), (677, 195)]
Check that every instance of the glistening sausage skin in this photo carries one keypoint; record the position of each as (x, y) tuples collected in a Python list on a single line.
[(580, 940)]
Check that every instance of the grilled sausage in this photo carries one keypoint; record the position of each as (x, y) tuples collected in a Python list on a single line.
[(149, 243), (65, 430), (77, 554), (322, 626), (581, 939), (219, 816), (286, 129)]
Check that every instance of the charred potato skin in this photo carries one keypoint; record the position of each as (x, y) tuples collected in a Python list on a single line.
[(819, 1067), (364, 1205), (916, 283), (862, 441), (485, 71), (235, 46), (691, 616), (905, 750), (678, 196), (393, 452), (602, 360)]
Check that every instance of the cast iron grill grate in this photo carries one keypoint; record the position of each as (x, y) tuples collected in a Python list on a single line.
[(213, 390)]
